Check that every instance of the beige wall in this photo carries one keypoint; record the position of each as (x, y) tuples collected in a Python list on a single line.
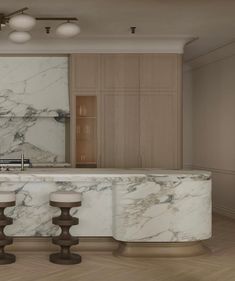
[(213, 126)]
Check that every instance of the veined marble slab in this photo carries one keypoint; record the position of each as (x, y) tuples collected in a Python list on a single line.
[(34, 86), (165, 208), (143, 205), (34, 106), (40, 139)]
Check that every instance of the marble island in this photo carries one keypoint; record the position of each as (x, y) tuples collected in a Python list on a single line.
[(133, 205)]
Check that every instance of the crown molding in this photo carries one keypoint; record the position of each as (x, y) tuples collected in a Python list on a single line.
[(97, 45), (217, 54)]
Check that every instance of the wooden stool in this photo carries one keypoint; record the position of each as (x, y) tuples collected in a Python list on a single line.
[(7, 199), (65, 201)]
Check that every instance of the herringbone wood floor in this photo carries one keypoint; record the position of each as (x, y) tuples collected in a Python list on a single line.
[(219, 265)]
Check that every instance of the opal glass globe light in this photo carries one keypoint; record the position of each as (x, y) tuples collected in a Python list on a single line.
[(67, 30), (19, 36), (22, 22)]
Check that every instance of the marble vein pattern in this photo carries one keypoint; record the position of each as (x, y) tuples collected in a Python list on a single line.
[(162, 208), (34, 86), (33, 215), (41, 139), (131, 206), (34, 108)]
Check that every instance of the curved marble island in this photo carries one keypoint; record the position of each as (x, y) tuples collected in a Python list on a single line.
[(151, 212)]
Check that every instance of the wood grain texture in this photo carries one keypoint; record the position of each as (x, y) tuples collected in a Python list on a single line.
[(158, 131), (120, 131), (120, 72), (85, 73), (158, 72), (146, 132)]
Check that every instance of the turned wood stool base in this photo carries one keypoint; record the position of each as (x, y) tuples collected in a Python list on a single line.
[(59, 258), (7, 258), (65, 240), (7, 199)]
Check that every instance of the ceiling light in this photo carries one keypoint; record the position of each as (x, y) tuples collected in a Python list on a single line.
[(19, 36), (67, 30), (22, 22)]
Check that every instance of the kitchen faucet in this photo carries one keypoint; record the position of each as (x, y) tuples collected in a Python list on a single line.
[(22, 161)]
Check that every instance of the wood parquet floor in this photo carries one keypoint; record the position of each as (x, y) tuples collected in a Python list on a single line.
[(219, 265)]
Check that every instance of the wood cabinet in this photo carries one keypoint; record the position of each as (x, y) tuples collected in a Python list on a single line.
[(120, 72), (120, 131), (158, 131), (159, 72), (138, 117), (84, 74)]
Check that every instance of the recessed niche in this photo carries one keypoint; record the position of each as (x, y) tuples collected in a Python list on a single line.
[(86, 131)]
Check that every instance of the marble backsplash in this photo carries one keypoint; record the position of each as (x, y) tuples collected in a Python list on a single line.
[(34, 108), (41, 139), (33, 86)]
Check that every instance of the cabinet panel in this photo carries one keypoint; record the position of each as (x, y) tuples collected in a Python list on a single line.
[(121, 131), (158, 131), (158, 72), (84, 75), (120, 72)]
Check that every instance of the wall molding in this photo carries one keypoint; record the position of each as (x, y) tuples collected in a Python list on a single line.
[(221, 210), (215, 55), (214, 170), (94, 44)]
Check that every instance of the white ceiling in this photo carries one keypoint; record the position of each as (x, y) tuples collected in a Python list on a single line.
[(212, 21)]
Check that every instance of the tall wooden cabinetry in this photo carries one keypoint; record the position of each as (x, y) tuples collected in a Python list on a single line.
[(120, 110), (160, 110), (138, 98)]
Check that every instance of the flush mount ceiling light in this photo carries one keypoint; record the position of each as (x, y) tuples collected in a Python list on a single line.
[(22, 23)]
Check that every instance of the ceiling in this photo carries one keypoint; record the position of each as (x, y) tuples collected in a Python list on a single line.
[(211, 21)]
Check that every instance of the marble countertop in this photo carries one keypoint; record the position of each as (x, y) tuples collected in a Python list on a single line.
[(73, 174)]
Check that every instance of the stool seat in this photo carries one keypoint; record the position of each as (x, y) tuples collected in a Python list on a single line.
[(7, 196), (65, 196)]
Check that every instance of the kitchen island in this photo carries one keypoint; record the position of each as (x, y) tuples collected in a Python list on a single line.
[(131, 205)]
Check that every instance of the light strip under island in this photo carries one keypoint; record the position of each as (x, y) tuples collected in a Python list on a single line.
[(141, 206)]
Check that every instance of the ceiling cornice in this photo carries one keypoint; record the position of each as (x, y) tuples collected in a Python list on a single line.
[(217, 54), (98, 45)]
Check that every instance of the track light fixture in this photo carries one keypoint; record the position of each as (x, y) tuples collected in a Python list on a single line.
[(22, 23)]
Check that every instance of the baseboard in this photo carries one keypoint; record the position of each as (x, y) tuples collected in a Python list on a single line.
[(45, 244), (230, 213)]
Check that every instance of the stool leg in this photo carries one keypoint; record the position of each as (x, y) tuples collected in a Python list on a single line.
[(5, 258), (65, 240)]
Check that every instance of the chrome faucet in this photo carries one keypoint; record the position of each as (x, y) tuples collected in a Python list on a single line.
[(22, 161)]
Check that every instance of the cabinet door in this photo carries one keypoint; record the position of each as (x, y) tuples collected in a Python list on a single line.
[(84, 74), (159, 72), (158, 131), (120, 131), (120, 73)]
